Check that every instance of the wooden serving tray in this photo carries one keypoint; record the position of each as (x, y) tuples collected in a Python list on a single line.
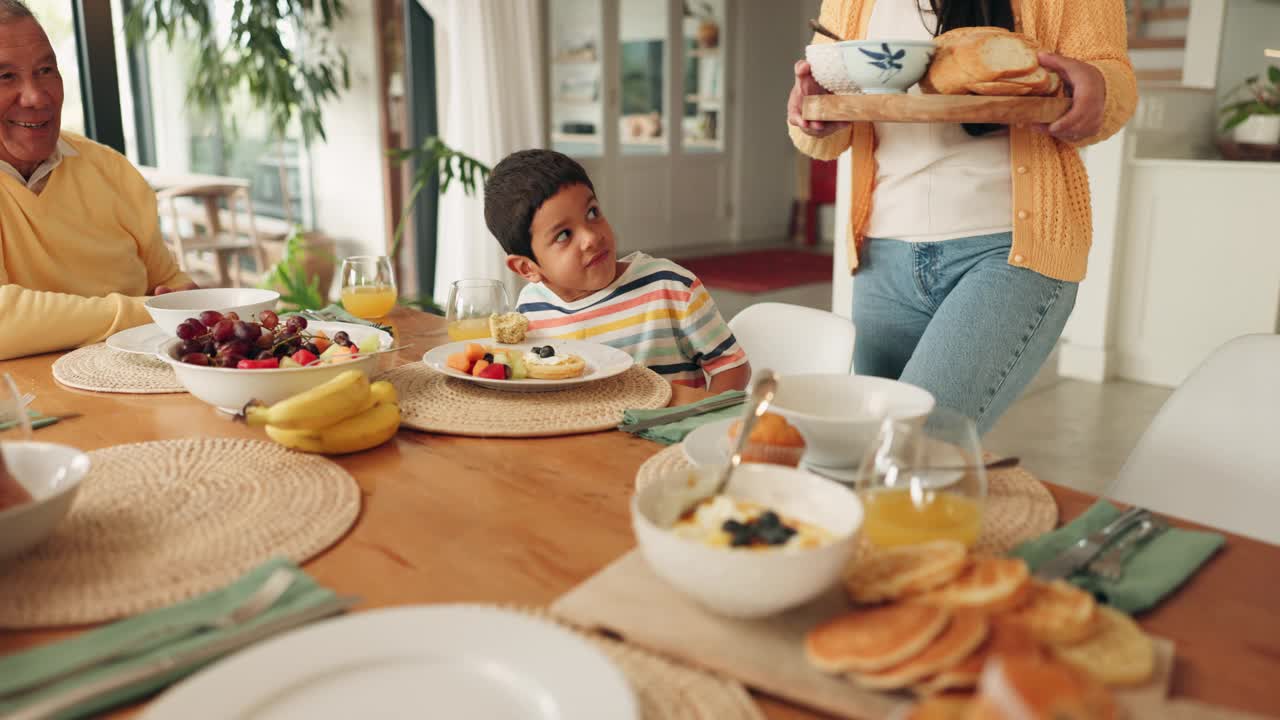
[(628, 599), (909, 108)]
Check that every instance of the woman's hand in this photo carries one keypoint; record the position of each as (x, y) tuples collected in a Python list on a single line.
[(805, 85), (1088, 91)]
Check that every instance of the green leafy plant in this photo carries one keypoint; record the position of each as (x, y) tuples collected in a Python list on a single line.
[(298, 290), (1263, 99), (436, 161)]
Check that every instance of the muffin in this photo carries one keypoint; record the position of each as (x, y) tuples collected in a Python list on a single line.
[(773, 440), (508, 328)]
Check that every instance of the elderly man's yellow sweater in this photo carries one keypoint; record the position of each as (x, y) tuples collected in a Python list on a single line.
[(77, 259), (1052, 221)]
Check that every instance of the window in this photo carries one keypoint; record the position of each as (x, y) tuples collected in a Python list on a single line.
[(55, 16)]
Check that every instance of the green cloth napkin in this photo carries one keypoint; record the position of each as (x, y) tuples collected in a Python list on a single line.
[(674, 432), (1154, 570), (22, 668)]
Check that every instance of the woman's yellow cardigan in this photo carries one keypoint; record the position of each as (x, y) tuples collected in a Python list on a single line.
[(1052, 220)]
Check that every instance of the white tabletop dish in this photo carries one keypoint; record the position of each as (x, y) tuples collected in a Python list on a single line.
[(169, 310), (432, 661), (140, 340), (229, 389), (51, 474), (709, 445), (602, 362)]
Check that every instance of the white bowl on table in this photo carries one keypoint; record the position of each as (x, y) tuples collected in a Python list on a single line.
[(230, 389), (750, 583), (51, 473), (840, 415), (886, 67), (169, 310)]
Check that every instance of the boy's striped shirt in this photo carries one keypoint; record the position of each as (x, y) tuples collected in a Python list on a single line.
[(656, 311)]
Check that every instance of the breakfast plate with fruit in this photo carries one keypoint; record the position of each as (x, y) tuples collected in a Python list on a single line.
[(531, 366)]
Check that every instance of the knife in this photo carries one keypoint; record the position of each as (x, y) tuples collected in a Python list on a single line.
[(682, 414), (51, 706), (1087, 548)]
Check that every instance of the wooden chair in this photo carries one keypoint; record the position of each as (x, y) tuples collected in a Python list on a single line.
[(208, 232)]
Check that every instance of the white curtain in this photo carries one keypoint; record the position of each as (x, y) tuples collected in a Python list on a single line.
[(489, 89)]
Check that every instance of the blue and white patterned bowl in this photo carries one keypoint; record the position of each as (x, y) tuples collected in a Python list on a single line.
[(886, 66)]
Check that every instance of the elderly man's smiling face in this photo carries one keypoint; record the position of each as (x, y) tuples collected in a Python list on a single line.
[(30, 96)]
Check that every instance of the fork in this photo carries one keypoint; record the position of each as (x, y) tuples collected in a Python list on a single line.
[(1110, 565), (261, 600)]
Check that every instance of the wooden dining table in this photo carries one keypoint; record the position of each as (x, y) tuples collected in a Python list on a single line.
[(521, 521)]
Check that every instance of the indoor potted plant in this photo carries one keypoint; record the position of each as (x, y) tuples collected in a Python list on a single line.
[(1255, 119)]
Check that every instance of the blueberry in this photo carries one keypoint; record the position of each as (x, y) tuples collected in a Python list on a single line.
[(488, 357), (546, 352), (742, 538), (769, 518), (733, 526)]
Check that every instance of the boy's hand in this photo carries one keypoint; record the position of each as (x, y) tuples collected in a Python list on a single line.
[(732, 379)]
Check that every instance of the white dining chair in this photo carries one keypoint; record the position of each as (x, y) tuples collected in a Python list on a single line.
[(792, 339), (1212, 454)]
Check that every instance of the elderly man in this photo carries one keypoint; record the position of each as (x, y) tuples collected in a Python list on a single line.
[(79, 233)]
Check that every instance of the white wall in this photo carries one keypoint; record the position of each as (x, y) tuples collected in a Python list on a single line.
[(772, 36), (642, 20), (347, 169)]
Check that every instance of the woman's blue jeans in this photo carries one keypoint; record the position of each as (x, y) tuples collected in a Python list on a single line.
[(955, 318)]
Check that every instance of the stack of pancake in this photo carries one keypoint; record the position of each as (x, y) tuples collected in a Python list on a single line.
[(934, 619)]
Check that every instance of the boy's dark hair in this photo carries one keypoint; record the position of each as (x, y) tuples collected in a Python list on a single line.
[(518, 186)]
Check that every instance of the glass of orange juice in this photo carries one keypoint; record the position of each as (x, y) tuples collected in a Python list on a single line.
[(368, 286), (923, 479), (470, 304)]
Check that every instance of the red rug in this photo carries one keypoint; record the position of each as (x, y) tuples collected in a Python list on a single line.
[(759, 271)]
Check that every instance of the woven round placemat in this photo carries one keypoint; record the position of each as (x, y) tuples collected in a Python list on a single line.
[(156, 523), (1019, 507), (433, 402), (101, 369), (666, 690)]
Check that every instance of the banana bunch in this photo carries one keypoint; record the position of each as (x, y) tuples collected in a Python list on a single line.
[(344, 415)]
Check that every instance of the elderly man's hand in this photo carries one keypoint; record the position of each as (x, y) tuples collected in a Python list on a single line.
[(164, 289)]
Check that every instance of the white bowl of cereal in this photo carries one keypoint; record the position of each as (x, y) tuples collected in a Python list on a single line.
[(733, 559)]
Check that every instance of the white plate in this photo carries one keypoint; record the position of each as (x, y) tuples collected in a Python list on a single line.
[(142, 340), (602, 362), (439, 661), (709, 445)]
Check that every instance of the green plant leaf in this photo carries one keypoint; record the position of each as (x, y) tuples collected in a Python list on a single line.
[(1273, 74)]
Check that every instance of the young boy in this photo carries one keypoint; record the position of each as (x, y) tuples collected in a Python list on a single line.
[(542, 208)]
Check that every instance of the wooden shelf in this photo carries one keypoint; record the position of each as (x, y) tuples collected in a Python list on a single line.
[(1232, 150), (1178, 13), (576, 101), (703, 52), (935, 108), (1157, 43), (575, 61), (575, 137), (1271, 53), (716, 99)]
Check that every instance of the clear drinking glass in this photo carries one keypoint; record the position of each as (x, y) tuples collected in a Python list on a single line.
[(923, 479), (368, 286), (470, 304), (15, 424)]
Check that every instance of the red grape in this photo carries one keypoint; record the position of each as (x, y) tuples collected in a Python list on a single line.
[(189, 346), (232, 316), (195, 359), (187, 331), (210, 317), (195, 323), (266, 340), (341, 338), (297, 323), (269, 319), (224, 330), (249, 332), (235, 347)]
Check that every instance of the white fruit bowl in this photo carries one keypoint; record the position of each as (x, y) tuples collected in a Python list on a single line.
[(171, 309), (52, 474), (737, 582), (230, 389), (840, 415)]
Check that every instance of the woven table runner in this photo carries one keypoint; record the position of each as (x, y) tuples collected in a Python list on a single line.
[(664, 689), (156, 523), (433, 402), (100, 369), (1019, 507)]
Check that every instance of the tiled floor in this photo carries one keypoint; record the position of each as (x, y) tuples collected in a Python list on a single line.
[(1077, 433)]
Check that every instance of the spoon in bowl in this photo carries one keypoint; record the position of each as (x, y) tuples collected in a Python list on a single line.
[(702, 485)]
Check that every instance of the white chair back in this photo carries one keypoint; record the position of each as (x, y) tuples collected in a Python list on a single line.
[(1212, 454), (791, 339)]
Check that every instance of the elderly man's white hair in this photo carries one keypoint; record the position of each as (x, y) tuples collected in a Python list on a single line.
[(13, 11)]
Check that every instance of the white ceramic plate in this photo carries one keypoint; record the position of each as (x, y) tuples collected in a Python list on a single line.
[(142, 340), (437, 661), (602, 362), (709, 445)]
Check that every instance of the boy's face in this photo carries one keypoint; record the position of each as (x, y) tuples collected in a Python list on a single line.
[(573, 243)]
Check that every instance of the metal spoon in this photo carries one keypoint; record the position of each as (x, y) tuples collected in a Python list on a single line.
[(700, 485), (822, 30)]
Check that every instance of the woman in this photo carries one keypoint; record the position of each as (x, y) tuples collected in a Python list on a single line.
[(969, 241)]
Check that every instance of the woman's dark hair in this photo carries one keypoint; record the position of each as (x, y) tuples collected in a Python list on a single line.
[(954, 14)]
